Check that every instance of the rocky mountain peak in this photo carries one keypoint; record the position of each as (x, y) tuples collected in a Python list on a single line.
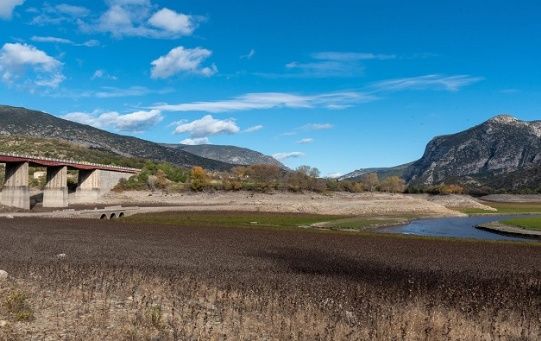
[(498, 152), (503, 118)]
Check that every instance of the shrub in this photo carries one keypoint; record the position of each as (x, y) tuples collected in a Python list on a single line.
[(451, 189), (393, 184), (16, 304), (199, 179)]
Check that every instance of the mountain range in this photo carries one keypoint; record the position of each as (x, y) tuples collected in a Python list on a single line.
[(503, 153), (16, 121)]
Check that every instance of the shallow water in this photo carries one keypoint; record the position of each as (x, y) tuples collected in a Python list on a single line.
[(457, 227)]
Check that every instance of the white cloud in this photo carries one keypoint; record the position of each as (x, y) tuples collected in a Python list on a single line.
[(133, 122), (57, 40), (435, 82), (102, 74), (270, 100), (305, 140), (90, 43), (7, 7), (125, 18), (253, 129), (133, 91), (351, 56), (317, 126), (249, 55), (17, 60), (183, 60), (332, 64), (207, 126), (196, 141), (287, 155), (75, 11), (334, 175), (110, 92), (172, 21), (60, 14)]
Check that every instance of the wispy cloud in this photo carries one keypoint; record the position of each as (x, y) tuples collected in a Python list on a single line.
[(288, 155), (330, 64), (249, 55), (102, 74), (58, 40), (351, 56), (59, 14), (434, 81), (317, 126), (134, 91), (110, 92), (253, 129), (270, 100), (305, 140)]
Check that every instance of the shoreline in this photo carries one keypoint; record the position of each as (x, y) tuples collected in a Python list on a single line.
[(499, 228)]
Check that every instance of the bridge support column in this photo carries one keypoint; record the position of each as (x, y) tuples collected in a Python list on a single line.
[(56, 188), (89, 186), (15, 192)]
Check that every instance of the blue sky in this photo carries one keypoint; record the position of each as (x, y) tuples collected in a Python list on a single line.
[(338, 85)]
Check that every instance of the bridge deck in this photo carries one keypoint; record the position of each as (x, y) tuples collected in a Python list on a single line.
[(50, 162)]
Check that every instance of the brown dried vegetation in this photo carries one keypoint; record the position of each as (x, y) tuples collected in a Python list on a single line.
[(142, 281)]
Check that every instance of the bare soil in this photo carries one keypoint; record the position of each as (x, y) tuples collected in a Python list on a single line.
[(361, 204), (96, 280)]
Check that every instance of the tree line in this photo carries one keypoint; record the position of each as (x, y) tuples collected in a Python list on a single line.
[(258, 178)]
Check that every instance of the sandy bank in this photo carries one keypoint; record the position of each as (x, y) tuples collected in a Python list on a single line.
[(336, 203)]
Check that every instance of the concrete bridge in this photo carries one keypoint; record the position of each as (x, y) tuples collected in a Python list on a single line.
[(93, 180)]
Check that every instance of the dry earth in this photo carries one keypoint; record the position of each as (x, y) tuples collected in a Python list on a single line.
[(360, 204), (107, 280)]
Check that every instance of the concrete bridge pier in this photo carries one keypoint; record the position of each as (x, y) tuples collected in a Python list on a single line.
[(15, 192), (55, 193), (89, 186)]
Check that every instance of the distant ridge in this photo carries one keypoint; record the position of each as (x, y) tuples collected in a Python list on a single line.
[(383, 172), (37, 124), (501, 154), (229, 154)]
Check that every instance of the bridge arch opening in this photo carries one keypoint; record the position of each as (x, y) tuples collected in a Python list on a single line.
[(121, 214), (113, 216), (103, 217)]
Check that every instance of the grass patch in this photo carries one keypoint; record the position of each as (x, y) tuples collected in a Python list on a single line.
[(361, 223), (506, 208), (474, 211), (530, 223), (231, 219), (266, 219), (515, 207)]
